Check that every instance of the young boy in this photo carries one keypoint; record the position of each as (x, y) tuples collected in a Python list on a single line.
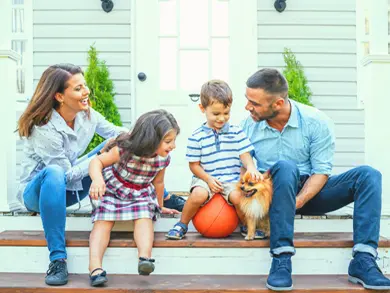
[(214, 153)]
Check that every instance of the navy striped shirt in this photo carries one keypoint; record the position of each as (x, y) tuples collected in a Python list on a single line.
[(219, 152)]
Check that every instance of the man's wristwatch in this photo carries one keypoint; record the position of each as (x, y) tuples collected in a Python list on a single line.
[(98, 153)]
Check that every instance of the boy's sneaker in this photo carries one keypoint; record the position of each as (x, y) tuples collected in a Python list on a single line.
[(57, 274), (279, 278), (175, 202), (364, 270)]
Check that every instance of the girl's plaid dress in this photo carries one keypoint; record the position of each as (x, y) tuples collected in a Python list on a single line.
[(130, 194)]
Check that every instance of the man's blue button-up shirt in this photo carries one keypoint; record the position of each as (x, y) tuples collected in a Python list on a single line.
[(307, 139)]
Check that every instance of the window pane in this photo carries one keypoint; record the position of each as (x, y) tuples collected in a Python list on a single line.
[(168, 63), (19, 46), (17, 20), (194, 23), (168, 17), (194, 69), (220, 18), (220, 59)]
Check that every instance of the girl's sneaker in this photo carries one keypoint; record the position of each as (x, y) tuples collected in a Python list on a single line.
[(145, 266)]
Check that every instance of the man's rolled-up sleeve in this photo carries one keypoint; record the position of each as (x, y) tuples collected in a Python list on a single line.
[(322, 147)]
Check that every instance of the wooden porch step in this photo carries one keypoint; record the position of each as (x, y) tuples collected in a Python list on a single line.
[(125, 239), (34, 283)]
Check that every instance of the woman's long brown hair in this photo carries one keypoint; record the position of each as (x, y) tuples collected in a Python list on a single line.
[(40, 108)]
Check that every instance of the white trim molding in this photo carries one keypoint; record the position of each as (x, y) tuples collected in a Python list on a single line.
[(10, 54), (383, 59)]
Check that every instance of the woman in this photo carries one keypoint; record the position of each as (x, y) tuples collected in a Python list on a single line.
[(58, 125)]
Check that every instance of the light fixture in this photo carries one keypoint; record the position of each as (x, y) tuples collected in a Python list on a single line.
[(107, 5), (280, 5)]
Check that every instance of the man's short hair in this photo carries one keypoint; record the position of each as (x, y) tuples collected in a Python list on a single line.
[(216, 91), (270, 80)]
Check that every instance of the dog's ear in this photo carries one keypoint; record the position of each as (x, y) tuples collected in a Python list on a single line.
[(247, 177), (267, 174)]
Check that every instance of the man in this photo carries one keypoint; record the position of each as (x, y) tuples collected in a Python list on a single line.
[(296, 143)]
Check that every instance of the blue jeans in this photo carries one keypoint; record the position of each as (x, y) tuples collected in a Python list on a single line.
[(46, 193), (361, 185)]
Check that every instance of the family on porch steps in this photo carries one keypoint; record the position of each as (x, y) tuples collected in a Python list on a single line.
[(124, 176)]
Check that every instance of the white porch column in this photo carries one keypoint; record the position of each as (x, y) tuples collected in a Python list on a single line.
[(8, 92), (8, 59), (378, 27), (376, 92)]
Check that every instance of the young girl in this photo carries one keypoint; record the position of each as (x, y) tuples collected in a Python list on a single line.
[(131, 188)]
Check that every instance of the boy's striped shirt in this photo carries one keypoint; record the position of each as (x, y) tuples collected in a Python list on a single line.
[(219, 152)]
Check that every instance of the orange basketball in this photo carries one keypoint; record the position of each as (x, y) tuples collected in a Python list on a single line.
[(216, 219)]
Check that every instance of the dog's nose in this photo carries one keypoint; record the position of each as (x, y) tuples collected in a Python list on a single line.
[(242, 187)]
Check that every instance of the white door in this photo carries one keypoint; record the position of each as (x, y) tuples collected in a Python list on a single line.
[(179, 45)]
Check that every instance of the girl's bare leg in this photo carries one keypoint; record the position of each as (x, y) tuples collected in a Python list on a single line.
[(98, 242)]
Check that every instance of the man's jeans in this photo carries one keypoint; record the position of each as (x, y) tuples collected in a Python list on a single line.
[(361, 185), (46, 193)]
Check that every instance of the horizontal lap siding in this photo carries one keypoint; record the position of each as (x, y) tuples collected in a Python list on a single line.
[(64, 31), (322, 34)]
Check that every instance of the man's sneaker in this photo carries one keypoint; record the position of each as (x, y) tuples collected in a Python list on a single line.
[(279, 278), (364, 270), (57, 274)]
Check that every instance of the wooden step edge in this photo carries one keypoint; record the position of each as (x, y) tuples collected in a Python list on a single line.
[(34, 283), (125, 239)]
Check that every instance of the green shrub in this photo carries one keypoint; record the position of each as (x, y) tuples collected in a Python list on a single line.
[(297, 82), (102, 93)]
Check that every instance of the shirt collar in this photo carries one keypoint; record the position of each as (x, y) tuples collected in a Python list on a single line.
[(293, 120), (224, 129), (59, 123)]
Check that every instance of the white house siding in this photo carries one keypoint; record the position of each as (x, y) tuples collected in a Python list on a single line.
[(322, 34), (63, 32)]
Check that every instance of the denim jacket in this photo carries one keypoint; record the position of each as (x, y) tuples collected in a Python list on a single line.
[(55, 143)]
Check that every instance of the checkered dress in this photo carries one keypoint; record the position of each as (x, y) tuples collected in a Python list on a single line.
[(130, 194)]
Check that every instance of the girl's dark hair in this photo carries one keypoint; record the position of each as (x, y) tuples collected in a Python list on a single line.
[(147, 134), (38, 112)]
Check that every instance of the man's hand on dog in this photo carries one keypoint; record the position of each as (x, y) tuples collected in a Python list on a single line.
[(255, 174), (214, 184)]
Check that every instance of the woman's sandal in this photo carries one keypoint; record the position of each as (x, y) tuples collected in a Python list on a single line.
[(99, 279), (145, 266), (177, 232)]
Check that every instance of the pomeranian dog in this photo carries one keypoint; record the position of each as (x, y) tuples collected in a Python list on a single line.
[(255, 203)]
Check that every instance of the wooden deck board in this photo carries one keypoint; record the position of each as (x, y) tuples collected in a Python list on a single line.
[(125, 239), (34, 283)]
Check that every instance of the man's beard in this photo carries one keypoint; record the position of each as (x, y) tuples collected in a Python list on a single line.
[(256, 117)]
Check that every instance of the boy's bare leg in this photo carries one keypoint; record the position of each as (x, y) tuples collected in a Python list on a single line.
[(98, 242), (144, 236), (198, 197), (234, 198)]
